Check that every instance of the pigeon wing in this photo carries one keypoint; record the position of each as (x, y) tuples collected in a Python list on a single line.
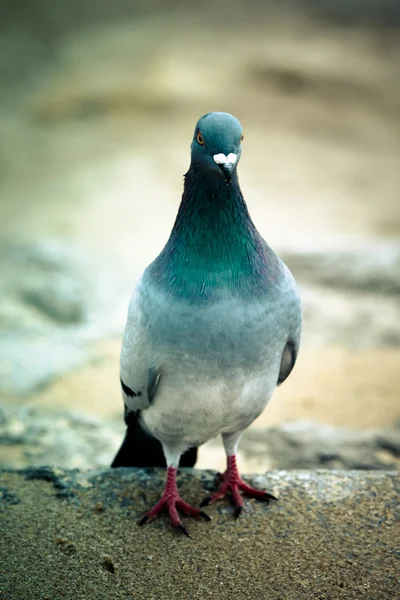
[(288, 361), (139, 376)]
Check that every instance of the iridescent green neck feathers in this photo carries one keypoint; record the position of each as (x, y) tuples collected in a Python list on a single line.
[(214, 248)]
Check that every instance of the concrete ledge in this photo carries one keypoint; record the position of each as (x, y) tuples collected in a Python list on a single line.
[(73, 535)]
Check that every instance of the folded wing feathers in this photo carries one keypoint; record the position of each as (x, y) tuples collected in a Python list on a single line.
[(135, 368)]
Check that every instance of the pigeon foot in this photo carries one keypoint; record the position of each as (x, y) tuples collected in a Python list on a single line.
[(170, 502), (232, 483)]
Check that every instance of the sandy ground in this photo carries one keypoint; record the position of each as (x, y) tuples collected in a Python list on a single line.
[(330, 535)]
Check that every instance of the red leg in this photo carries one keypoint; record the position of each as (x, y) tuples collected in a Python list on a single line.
[(233, 483), (170, 502)]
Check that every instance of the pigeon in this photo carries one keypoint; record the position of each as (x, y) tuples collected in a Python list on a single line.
[(213, 327)]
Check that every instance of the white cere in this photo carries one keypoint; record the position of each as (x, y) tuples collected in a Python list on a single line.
[(221, 159)]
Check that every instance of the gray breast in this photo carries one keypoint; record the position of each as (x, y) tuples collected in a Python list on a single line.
[(228, 333)]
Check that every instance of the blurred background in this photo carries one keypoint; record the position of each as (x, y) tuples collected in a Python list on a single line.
[(98, 103)]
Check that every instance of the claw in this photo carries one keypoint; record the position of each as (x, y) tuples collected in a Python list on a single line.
[(182, 529), (268, 496), (204, 515), (238, 511), (143, 520), (205, 502)]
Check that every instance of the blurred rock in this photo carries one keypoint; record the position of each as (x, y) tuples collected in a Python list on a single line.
[(365, 270), (72, 440), (350, 318), (76, 440), (350, 296), (310, 445), (32, 361), (52, 310), (48, 278)]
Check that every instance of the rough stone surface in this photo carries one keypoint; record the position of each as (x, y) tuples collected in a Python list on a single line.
[(72, 534)]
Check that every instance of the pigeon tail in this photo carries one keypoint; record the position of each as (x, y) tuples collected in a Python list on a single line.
[(140, 449)]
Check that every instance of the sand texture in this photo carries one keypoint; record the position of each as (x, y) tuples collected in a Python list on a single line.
[(73, 535)]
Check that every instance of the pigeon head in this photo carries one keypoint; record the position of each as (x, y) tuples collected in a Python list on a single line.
[(217, 145)]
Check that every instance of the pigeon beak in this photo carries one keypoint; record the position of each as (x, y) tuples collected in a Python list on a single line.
[(226, 171), (226, 164)]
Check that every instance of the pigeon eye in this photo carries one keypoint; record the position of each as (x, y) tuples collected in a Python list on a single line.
[(242, 138), (200, 138)]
